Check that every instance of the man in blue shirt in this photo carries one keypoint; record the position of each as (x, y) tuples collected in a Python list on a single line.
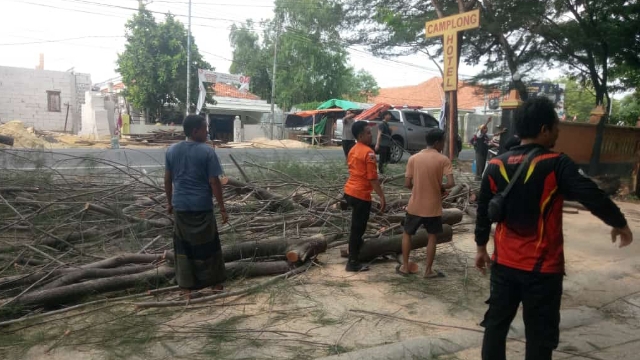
[(191, 180)]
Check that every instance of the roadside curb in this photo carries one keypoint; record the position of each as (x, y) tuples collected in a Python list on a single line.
[(459, 340)]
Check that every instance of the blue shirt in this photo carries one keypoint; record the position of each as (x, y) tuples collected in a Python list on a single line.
[(192, 164)]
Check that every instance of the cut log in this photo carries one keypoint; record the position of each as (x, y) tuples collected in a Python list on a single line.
[(303, 251), (70, 293), (238, 269), (472, 212), (6, 140), (97, 273), (125, 259), (250, 249), (374, 248)]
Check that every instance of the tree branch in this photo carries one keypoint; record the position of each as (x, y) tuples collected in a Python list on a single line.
[(438, 7)]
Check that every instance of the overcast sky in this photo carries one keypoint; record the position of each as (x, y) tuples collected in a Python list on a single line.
[(88, 34)]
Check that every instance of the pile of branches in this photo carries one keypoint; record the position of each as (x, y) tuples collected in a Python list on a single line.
[(74, 237), (159, 137)]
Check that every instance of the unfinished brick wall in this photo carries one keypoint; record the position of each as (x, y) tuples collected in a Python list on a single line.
[(24, 96)]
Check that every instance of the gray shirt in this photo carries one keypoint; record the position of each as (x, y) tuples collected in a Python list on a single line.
[(192, 164), (347, 134)]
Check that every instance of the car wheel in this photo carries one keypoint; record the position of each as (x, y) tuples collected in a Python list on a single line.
[(396, 153)]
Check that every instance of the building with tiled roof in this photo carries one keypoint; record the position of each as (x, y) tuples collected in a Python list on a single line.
[(430, 95)]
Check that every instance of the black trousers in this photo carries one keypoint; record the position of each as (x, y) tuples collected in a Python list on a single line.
[(384, 156), (481, 162), (347, 145), (360, 210), (540, 295)]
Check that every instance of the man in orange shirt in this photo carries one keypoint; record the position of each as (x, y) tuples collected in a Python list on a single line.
[(363, 178), (425, 171)]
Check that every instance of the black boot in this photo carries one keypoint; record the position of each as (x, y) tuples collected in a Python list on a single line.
[(356, 266)]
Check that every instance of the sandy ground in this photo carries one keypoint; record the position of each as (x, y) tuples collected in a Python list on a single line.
[(328, 311)]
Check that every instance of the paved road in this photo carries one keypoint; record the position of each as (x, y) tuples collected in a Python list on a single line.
[(153, 159)]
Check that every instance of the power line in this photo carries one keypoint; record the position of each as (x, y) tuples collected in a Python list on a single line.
[(61, 40)]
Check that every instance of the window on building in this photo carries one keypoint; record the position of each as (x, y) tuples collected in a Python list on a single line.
[(53, 101)]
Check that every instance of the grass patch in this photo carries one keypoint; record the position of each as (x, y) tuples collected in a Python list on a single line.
[(321, 317)]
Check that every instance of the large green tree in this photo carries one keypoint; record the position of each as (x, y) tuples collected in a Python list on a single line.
[(502, 43), (587, 37), (154, 65), (312, 60)]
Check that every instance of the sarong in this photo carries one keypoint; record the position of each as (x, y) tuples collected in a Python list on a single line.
[(199, 261)]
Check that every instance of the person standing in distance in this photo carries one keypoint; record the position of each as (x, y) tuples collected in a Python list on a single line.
[(191, 180), (424, 175), (348, 141), (383, 141), (528, 261), (363, 178)]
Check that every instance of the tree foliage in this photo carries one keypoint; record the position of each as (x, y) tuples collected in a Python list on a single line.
[(629, 112), (154, 64), (311, 56), (578, 99)]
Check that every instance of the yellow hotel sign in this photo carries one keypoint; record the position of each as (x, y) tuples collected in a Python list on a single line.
[(449, 28)]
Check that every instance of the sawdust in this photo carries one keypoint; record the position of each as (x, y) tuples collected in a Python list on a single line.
[(24, 137), (264, 143)]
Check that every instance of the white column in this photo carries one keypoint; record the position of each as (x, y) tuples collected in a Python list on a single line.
[(237, 130)]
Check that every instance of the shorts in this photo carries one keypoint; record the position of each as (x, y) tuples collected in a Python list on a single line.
[(412, 223)]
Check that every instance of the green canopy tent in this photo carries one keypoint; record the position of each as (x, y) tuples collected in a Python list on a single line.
[(343, 104)]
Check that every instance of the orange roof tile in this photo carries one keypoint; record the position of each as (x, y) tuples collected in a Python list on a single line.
[(429, 94), (231, 91)]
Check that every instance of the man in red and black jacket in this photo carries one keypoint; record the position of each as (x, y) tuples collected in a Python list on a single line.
[(528, 260)]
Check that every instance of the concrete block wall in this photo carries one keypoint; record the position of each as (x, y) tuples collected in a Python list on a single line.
[(23, 96)]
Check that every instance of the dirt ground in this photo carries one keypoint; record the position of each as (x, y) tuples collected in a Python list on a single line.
[(327, 311)]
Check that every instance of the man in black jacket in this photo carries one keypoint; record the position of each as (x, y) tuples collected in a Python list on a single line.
[(528, 260)]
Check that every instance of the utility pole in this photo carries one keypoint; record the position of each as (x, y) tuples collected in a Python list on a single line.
[(273, 82), (189, 61)]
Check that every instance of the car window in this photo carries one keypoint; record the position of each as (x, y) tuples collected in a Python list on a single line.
[(396, 115), (413, 118), (430, 121)]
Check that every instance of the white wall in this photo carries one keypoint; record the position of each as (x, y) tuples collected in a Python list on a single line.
[(252, 132), (23, 96)]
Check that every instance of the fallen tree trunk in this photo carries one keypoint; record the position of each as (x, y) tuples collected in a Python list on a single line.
[(303, 251), (251, 249), (95, 273), (239, 269), (374, 248), (6, 140), (124, 259), (69, 293)]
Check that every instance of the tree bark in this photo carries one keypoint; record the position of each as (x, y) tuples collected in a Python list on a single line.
[(374, 248), (251, 249), (69, 293), (301, 252)]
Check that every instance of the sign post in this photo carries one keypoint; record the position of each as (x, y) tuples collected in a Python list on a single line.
[(448, 27), (212, 77)]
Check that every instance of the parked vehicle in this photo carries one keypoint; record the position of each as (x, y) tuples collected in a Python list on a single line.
[(337, 132), (409, 128)]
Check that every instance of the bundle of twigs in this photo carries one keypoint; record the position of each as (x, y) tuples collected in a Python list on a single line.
[(69, 237)]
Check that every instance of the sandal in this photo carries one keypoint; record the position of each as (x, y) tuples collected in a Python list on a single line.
[(436, 275)]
